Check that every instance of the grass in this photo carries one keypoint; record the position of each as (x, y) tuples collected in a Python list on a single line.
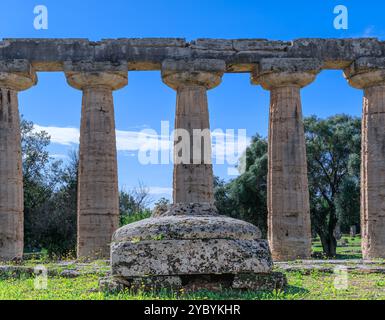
[(313, 286), (348, 248)]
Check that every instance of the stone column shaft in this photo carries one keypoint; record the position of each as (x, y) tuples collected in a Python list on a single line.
[(98, 194), (193, 190), (369, 74), (11, 178), (288, 193), (11, 171), (193, 182), (289, 226), (373, 173)]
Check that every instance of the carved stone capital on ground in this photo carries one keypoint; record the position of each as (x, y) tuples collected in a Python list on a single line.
[(366, 72), (84, 74), (273, 73), (200, 72), (17, 75)]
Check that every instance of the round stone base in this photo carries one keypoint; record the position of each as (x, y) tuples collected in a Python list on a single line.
[(186, 245), (190, 283), (191, 252)]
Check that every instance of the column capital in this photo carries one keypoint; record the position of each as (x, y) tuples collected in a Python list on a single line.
[(199, 72), (86, 74), (17, 74), (366, 72), (272, 73)]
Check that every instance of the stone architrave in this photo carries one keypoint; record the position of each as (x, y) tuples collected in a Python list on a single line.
[(289, 229), (98, 194), (192, 246), (369, 74), (15, 76)]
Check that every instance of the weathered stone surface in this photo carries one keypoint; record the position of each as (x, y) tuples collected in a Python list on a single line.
[(98, 194), (289, 228), (240, 55), (202, 72), (85, 74), (249, 45), (260, 281), (273, 73), (366, 72), (187, 228), (14, 76), (193, 173), (178, 257), (190, 209), (256, 282), (369, 74), (17, 74)]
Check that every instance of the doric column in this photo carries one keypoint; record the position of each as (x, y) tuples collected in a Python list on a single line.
[(15, 76), (98, 194), (289, 229), (193, 172), (369, 74)]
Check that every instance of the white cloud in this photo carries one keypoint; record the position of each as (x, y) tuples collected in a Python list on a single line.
[(227, 146), (160, 191), (59, 135)]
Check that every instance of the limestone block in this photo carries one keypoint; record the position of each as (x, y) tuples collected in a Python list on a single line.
[(191, 209), (202, 72), (17, 74), (199, 256), (186, 227), (262, 282), (278, 72)]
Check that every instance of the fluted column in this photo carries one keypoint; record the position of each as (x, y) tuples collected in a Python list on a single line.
[(369, 74), (15, 76), (193, 172), (289, 228), (98, 194)]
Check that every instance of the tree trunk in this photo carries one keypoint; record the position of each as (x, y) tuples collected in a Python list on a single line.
[(329, 244)]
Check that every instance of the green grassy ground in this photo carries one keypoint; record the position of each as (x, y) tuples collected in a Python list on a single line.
[(348, 248), (313, 286)]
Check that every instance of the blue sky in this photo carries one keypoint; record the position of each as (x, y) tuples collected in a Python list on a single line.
[(146, 101)]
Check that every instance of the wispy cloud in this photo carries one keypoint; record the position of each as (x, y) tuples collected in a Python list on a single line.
[(370, 32), (227, 146), (160, 191), (60, 135)]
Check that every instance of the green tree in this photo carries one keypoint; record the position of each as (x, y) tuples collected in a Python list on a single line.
[(333, 147), (49, 195), (57, 229), (333, 152), (245, 197), (133, 204)]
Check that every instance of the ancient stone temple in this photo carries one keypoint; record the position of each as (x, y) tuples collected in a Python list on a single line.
[(192, 238), (191, 245)]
